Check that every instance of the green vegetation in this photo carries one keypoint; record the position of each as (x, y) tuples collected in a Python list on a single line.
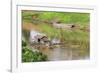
[(74, 37), (81, 19), (29, 56), (69, 37), (77, 36)]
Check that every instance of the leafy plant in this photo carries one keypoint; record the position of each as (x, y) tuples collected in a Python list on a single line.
[(24, 44), (29, 56)]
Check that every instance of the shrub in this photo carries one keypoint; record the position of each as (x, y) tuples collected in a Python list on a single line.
[(24, 44), (30, 56)]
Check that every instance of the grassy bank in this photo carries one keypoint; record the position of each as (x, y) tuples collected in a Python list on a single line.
[(70, 37), (75, 39), (81, 19)]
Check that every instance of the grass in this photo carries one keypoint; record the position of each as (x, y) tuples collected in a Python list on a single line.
[(73, 37), (70, 37), (81, 19)]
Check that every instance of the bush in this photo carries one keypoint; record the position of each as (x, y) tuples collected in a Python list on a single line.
[(29, 56), (24, 44)]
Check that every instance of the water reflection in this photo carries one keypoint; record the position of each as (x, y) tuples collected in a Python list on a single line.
[(60, 52)]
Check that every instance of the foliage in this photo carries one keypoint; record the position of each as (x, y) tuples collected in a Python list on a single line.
[(64, 17), (73, 37), (25, 34), (29, 56), (24, 44)]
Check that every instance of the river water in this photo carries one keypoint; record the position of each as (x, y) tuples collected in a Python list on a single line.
[(56, 54), (62, 53)]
